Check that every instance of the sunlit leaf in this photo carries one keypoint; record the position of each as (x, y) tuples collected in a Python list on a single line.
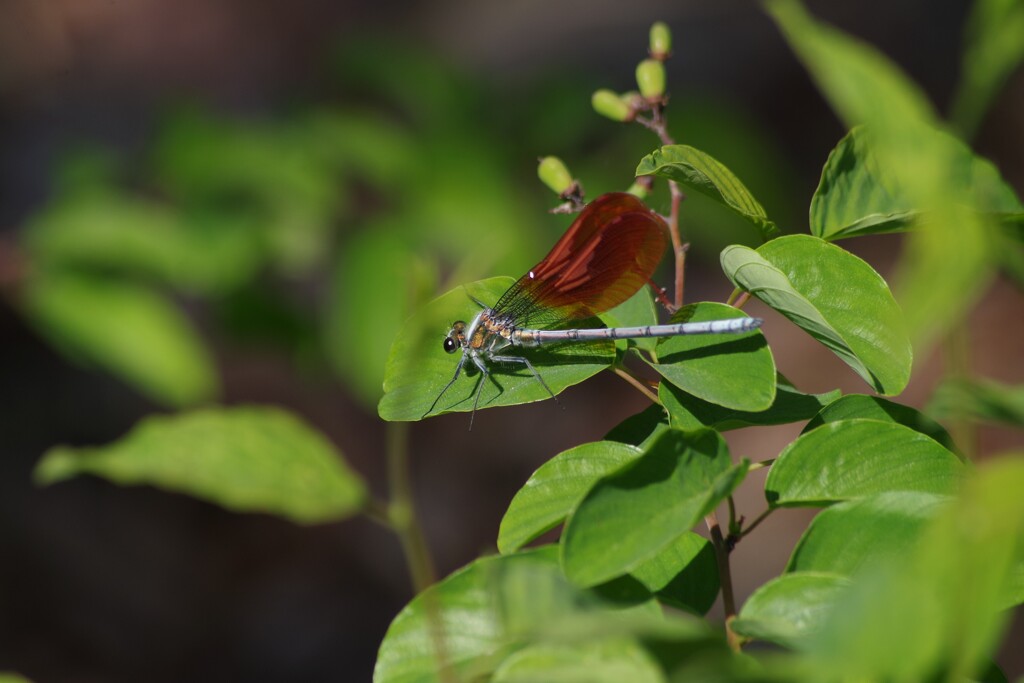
[(835, 297), (734, 371), (633, 514), (248, 459), (698, 171), (128, 329), (877, 408), (553, 491), (853, 537), (418, 368), (860, 457), (790, 405), (789, 608)]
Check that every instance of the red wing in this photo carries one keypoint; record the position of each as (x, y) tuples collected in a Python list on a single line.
[(608, 253)]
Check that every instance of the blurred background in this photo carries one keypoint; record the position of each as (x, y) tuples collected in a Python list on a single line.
[(239, 201)]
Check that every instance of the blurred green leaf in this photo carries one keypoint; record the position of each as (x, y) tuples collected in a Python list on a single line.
[(373, 288), (957, 241), (789, 608), (554, 490), (790, 405), (860, 457), (936, 610), (853, 537), (730, 370), (364, 145), (857, 196), (636, 512), (979, 399), (10, 677), (835, 297), (281, 181), (993, 47), (248, 459), (418, 368), (496, 606), (130, 330), (877, 408), (698, 171), (603, 661), (200, 252)]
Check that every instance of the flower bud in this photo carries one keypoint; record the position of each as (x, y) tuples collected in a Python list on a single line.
[(608, 103), (553, 173), (661, 41), (650, 78)]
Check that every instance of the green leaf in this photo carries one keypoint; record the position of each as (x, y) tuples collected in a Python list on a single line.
[(790, 405), (418, 368), (730, 370), (248, 459), (199, 252), (640, 429), (684, 575), (957, 241), (603, 661), (835, 297), (128, 329), (633, 514), (497, 605), (857, 458), (936, 610), (10, 677), (984, 400), (858, 195), (373, 287), (699, 171), (877, 408), (789, 608), (853, 537), (993, 47), (554, 490)]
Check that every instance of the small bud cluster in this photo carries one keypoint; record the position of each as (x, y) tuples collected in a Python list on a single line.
[(650, 81), (649, 99)]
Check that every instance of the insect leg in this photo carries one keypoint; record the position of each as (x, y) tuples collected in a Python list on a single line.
[(528, 364), (458, 369)]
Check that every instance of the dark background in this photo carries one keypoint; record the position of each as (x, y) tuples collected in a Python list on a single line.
[(101, 583)]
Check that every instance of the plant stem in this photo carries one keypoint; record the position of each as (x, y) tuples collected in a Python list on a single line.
[(725, 579), (958, 368), (753, 525), (401, 510), (401, 513), (636, 383)]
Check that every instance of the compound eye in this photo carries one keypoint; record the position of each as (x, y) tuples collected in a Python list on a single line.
[(450, 345)]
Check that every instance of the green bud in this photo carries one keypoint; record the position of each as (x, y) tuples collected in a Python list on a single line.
[(650, 77), (553, 173), (661, 41), (638, 190), (608, 103)]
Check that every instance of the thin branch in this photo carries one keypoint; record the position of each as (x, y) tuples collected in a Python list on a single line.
[(742, 300), (725, 579), (636, 383), (753, 525)]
